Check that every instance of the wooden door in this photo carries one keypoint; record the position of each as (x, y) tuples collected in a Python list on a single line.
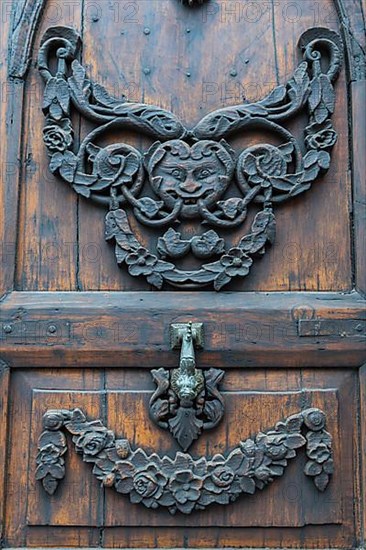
[(186, 136)]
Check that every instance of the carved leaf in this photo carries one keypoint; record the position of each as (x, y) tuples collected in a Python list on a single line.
[(171, 244), (185, 427), (156, 280), (275, 97), (321, 481), (104, 98), (221, 280), (149, 207), (50, 484)]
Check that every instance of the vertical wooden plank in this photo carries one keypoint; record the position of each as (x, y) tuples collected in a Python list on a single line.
[(358, 97), (11, 102), (47, 230), (312, 244), (4, 399), (362, 454)]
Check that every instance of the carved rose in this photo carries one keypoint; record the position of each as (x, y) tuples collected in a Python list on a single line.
[(321, 136), (220, 480), (185, 486), (141, 484), (92, 442), (275, 448), (50, 462), (53, 420), (236, 263), (58, 137), (248, 448), (148, 483), (207, 245), (314, 419), (320, 453), (49, 454), (141, 262)]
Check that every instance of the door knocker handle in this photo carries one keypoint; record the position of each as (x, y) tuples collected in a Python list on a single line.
[(187, 400), (187, 381)]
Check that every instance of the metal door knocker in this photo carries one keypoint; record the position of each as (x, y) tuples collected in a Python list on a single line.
[(187, 400)]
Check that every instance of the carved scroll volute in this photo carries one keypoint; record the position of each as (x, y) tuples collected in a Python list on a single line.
[(187, 400)]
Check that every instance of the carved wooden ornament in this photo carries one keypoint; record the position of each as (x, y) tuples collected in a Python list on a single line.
[(189, 174), (183, 483)]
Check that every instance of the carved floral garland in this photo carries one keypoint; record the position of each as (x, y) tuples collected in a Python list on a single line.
[(182, 483), (189, 172)]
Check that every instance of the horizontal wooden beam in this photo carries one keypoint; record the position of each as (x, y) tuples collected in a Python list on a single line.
[(131, 329)]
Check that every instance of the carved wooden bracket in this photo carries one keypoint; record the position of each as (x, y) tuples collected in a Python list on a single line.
[(182, 483), (190, 173)]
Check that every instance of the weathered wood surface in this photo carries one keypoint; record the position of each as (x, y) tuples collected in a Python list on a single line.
[(61, 237), (53, 241), (132, 329), (120, 398), (4, 421)]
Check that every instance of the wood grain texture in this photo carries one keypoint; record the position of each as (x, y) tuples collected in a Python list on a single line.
[(294, 521), (47, 229), (62, 244), (132, 329), (362, 454), (4, 403), (11, 104), (358, 93)]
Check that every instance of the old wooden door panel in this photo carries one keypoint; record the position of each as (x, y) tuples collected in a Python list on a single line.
[(282, 347), (254, 399), (126, 52)]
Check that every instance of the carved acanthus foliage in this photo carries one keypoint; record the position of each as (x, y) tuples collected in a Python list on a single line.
[(186, 418), (182, 483), (190, 174)]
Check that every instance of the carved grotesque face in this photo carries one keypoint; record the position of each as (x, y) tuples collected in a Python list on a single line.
[(192, 175)]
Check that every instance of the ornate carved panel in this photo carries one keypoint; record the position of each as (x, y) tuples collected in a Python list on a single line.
[(190, 173), (183, 484)]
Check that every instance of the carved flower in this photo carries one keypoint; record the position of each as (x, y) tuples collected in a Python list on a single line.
[(236, 263), (275, 448), (314, 419), (148, 483), (49, 454), (93, 441), (185, 486), (220, 480), (58, 137), (141, 262), (50, 462), (320, 453), (53, 420), (142, 484), (320, 136), (249, 448)]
